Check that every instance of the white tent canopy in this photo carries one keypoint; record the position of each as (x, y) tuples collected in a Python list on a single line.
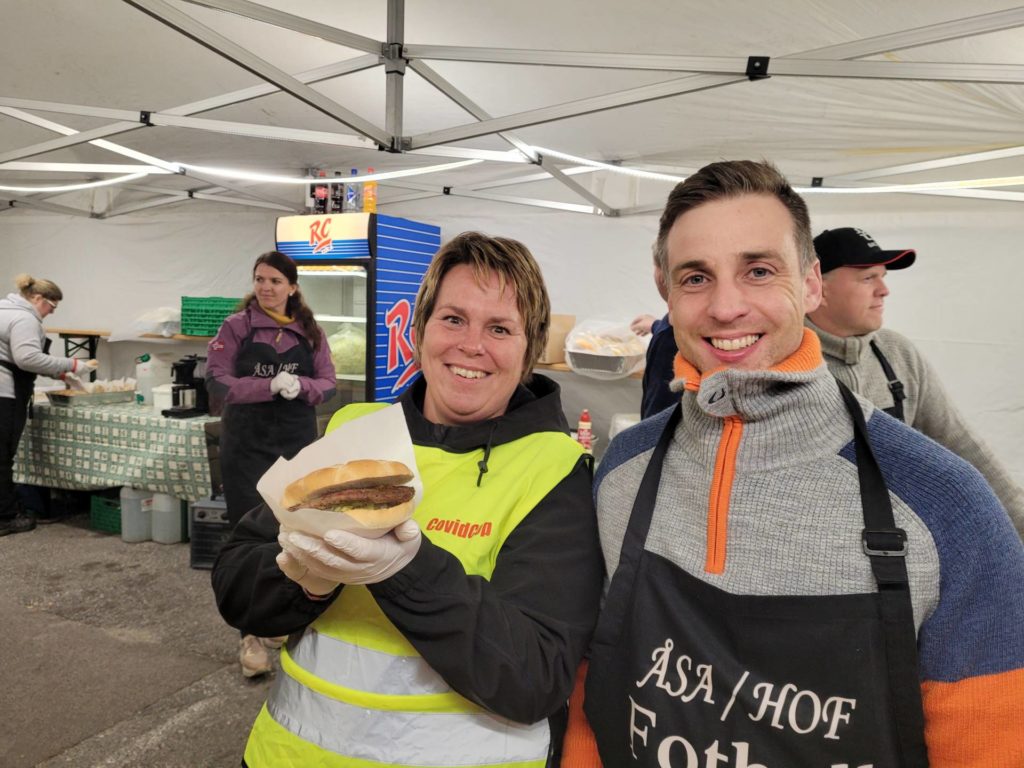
[(858, 93)]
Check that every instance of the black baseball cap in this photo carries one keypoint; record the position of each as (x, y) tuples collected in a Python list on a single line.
[(851, 247)]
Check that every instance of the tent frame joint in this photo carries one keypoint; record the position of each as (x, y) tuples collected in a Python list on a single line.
[(393, 58), (757, 67)]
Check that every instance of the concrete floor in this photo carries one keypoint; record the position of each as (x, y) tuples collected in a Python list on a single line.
[(114, 655)]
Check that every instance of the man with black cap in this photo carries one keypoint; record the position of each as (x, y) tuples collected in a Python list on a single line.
[(884, 366)]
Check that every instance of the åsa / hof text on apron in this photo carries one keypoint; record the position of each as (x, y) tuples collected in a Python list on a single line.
[(685, 675)]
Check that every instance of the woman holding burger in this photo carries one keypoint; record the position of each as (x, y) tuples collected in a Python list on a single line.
[(453, 640), (267, 368)]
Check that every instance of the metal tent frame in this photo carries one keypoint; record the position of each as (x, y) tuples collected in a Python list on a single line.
[(691, 74)]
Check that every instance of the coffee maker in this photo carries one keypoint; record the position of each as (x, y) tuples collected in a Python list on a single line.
[(188, 388)]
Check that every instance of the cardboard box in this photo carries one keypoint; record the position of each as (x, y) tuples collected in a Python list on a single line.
[(554, 352)]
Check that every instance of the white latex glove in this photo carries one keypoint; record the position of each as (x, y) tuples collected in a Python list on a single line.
[(85, 366), (292, 390), (294, 570), (348, 558), (282, 381), (73, 381)]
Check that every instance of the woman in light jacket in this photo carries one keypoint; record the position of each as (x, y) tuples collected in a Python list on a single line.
[(23, 355)]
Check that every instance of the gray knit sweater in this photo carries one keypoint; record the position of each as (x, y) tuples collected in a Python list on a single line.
[(759, 495), (21, 343), (927, 406)]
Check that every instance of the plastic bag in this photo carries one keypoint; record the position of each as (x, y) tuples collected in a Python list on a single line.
[(605, 349), (162, 321), (348, 349)]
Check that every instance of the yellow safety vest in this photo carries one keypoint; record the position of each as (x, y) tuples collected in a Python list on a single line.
[(354, 693)]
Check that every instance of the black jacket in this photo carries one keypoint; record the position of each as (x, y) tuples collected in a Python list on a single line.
[(510, 644)]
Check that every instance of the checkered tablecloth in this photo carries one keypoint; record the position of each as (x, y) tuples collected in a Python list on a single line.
[(86, 447)]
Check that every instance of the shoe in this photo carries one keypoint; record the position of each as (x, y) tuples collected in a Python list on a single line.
[(20, 523), (51, 519), (253, 657), (273, 642)]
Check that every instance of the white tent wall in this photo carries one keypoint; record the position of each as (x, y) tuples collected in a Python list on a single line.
[(959, 302)]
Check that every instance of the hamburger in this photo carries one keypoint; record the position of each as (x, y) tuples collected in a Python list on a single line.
[(371, 491)]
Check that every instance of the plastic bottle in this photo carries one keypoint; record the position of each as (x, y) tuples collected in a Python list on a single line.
[(149, 372), (320, 195), (369, 195), (354, 194), (167, 527), (584, 432), (337, 194), (136, 515)]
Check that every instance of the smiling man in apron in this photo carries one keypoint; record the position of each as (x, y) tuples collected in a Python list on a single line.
[(798, 579)]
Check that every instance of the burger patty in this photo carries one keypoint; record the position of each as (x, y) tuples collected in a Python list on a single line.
[(380, 495)]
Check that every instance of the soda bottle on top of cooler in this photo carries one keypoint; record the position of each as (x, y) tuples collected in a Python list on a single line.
[(354, 195), (320, 195), (584, 432), (369, 195)]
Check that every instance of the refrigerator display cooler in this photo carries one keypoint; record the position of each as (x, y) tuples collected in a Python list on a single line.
[(359, 273)]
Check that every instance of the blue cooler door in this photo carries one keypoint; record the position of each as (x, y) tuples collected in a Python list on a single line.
[(401, 251)]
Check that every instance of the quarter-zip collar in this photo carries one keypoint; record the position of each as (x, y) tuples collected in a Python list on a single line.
[(751, 395), (849, 349)]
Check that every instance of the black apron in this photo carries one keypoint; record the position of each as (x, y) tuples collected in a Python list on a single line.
[(254, 435), (24, 381), (895, 385), (683, 674)]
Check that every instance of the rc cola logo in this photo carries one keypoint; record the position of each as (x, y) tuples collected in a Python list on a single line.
[(400, 349), (320, 235)]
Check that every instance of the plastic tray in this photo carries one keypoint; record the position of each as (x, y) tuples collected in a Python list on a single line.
[(71, 397), (603, 366)]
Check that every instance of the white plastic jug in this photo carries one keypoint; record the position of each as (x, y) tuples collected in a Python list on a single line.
[(167, 519), (136, 515), (150, 371)]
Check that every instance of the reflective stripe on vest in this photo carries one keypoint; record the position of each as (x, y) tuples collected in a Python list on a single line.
[(354, 693), (344, 664), (365, 739)]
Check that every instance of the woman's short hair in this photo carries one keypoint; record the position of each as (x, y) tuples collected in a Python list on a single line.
[(29, 286), (514, 266)]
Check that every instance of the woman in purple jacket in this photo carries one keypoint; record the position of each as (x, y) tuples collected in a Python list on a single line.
[(269, 366)]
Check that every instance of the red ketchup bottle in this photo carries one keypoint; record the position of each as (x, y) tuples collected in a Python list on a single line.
[(584, 432)]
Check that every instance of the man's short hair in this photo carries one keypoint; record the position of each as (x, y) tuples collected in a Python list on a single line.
[(515, 268), (732, 178)]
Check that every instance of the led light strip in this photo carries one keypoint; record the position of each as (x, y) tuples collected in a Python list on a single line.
[(607, 166), (74, 187), (927, 186), (271, 179)]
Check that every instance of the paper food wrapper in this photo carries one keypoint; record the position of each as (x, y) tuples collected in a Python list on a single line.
[(382, 434)]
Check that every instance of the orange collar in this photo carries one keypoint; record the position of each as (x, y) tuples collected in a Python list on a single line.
[(806, 358)]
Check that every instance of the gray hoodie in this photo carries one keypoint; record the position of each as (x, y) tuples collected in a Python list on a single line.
[(21, 343)]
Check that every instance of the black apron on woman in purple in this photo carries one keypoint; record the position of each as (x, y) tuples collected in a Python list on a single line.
[(685, 675), (255, 435)]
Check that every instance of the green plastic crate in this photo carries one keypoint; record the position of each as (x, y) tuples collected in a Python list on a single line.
[(105, 514), (203, 315)]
